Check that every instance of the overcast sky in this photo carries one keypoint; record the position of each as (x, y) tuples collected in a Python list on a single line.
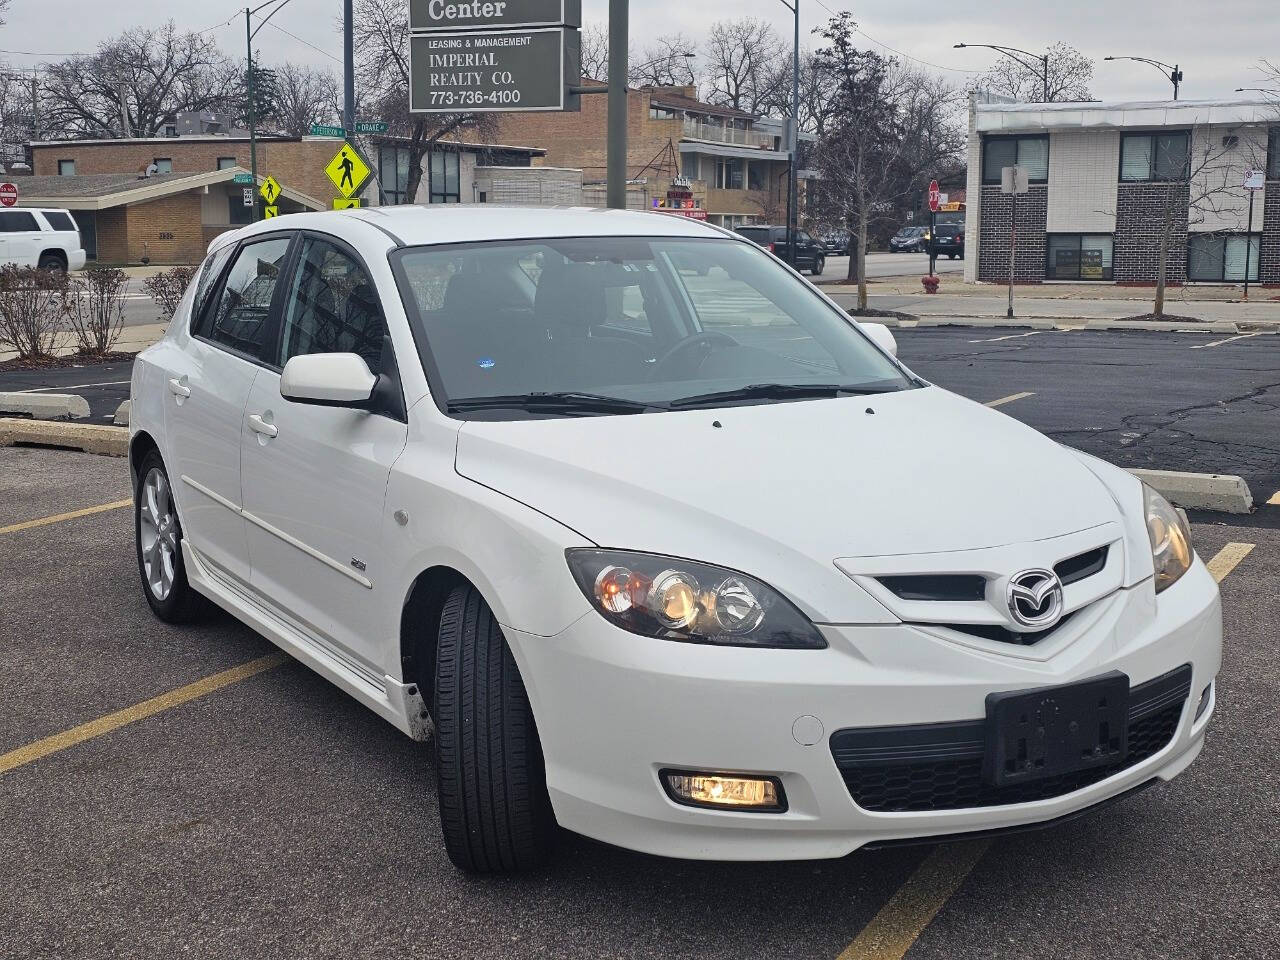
[(1217, 44)]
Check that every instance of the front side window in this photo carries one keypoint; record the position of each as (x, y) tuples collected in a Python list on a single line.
[(445, 186), (653, 322), (1032, 153), (1223, 257), (1074, 256), (1154, 156), (332, 307), (238, 319)]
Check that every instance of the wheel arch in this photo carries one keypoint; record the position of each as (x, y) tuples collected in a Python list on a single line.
[(420, 624), (141, 444), (57, 253)]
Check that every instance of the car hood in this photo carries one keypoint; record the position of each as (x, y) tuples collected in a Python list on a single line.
[(778, 489)]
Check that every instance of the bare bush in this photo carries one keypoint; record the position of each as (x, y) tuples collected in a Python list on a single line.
[(167, 288), (95, 308), (31, 310)]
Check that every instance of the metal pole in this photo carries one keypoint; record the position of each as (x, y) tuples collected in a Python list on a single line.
[(793, 188), (1013, 246), (1177, 79), (1248, 245), (348, 70), (933, 242), (253, 120), (617, 149), (35, 107), (1045, 61)]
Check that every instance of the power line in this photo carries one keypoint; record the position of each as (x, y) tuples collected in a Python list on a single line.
[(305, 43), (927, 63)]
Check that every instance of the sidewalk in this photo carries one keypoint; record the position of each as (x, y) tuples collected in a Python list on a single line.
[(132, 339)]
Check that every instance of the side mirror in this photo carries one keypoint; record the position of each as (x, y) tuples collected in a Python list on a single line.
[(879, 333), (328, 380)]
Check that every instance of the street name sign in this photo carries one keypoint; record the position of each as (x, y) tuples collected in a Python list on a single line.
[(372, 126), (347, 170), (8, 194), (437, 15), (489, 71), (324, 130), (243, 179), (270, 190)]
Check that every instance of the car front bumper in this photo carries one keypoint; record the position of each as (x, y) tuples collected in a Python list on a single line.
[(613, 709)]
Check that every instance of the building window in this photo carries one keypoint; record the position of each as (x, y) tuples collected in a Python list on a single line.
[(1222, 257), (1154, 156), (66, 168), (226, 163), (729, 174), (163, 165), (689, 166), (1029, 152), (170, 130), (445, 177), (1273, 154), (237, 212), (661, 113), (393, 173), (1074, 256)]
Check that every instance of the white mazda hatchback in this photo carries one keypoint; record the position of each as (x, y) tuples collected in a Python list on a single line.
[(654, 543)]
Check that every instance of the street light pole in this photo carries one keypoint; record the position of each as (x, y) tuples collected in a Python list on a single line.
[(616, 191), (793, 144), (249, 34), (1174, 75), (348, 70), (1041, 64)]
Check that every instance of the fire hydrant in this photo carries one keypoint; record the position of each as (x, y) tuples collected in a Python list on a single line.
[(930, 283)]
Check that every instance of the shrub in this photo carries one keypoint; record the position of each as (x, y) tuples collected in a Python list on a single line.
[(167, 288), (95, 308), (31, 310)]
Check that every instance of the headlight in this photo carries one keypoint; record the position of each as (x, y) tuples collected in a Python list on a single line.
[(657, 596), (1170, 536)]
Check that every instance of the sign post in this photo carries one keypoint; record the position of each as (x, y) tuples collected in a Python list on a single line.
[(1013, 181), (935, 201), (1254, 180)]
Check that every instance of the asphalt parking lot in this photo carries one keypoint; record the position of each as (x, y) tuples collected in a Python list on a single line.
[(188, 791)]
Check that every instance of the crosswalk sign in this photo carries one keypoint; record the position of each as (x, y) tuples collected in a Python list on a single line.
[(270, 190), (349, 203), (269, 212), (348, 171)]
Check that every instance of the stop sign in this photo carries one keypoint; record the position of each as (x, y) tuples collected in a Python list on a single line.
[(8, 194), (935, 196)]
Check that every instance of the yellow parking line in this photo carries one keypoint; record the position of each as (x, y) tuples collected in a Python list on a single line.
[(1009, 399), (139, 711), (1228, 558), (58, 518), (895, 928)]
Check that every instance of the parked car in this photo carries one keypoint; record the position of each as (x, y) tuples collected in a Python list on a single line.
[(810, 254), (948, 240), (39, 237), (908, 240), (652, 570), (837, 244)]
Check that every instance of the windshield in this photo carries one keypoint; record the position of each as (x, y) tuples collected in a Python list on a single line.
[(649, 321)]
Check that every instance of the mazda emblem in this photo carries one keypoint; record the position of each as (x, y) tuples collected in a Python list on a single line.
[(1035, 599)]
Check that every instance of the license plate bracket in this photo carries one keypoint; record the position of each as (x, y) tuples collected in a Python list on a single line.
[(1048, 731)]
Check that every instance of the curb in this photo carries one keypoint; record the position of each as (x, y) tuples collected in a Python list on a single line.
[(1200, 491), (121, 418), (45, 406), (1161, 326), (91, 438)]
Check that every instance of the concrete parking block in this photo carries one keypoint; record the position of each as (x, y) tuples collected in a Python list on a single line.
[(45, 406), (1162, 326), (1200, 491), (121, 418), (91, 438)]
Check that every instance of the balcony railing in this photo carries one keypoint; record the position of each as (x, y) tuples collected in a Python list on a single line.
[(700, 130)]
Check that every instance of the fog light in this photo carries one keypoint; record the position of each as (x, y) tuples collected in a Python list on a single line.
[(761, 794), (1204, 701)]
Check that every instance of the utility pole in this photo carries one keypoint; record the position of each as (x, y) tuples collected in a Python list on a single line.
[(793, 189), (616, 192), (1013, 248), (348, 70), (125, 130), (35, 107), (1248, 245), (253, 127)]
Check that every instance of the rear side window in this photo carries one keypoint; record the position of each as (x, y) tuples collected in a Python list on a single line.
[(755, 234), (238, 318), (332, 307), (209, 273), (59, 220), (17, 221)]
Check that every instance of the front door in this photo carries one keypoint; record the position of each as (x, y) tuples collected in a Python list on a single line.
[(315, 477), (206, 392)]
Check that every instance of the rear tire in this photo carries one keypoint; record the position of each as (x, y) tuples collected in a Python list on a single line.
[(819, 265), (490, 779), (158, 538), (53, 263)]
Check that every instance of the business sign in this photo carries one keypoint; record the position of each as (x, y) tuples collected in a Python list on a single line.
[(494, 71), (8, 194), (436, 15)]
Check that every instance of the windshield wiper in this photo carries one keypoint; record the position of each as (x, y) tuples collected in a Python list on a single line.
[(782, 391), (567, 401)]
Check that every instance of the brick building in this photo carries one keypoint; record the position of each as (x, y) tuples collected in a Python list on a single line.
[(735, 162), (1109, 180)]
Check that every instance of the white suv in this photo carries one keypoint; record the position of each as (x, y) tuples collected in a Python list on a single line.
[(670, 551), (39, 237)]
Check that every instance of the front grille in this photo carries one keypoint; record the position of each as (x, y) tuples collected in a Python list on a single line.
[(993, 631), (1082, 566), (938, 766), (937, 586)]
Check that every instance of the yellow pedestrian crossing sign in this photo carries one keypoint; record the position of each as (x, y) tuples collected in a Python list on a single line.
[(270, 190), (269, 212), (350, 203), (348, 171)]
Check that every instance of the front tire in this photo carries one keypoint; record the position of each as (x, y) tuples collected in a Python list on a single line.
[(490, 779), (53, 264), (158, 538), (819, 265)]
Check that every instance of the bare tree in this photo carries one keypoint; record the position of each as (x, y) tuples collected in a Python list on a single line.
[(382, 64), (595, 52), (745, 64), (1069, 74), (140, 78), (891, 127), (663, 63), (304, 95)]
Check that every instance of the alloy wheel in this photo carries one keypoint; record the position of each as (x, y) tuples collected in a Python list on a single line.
[(158, 533)]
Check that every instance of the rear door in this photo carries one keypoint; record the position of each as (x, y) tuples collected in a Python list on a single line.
[(207, 387)]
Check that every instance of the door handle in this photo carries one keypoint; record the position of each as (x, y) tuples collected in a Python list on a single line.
[(178, 387), (258, 425)]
